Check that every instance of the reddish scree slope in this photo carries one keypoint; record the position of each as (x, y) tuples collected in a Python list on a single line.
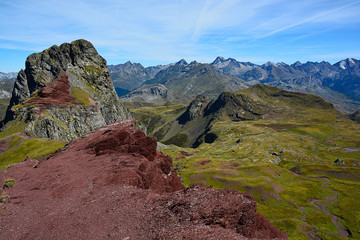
[(56, 93), (113, 184)]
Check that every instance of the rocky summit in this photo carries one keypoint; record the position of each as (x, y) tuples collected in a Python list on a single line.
[(113, 184), (64, 92)]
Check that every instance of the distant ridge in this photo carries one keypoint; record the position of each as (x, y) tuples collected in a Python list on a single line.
[(337, 83)]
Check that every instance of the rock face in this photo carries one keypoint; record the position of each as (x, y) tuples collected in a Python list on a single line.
[(80, 100), (113, 184), (195, 108)]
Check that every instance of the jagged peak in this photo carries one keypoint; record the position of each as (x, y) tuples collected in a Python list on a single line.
[(223, 60), (268, 64), (194, 63), (181, 62), (296, 64), (218, 59)]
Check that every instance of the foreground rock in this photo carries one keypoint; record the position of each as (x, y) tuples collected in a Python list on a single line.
[(63, 93), (113, 184)]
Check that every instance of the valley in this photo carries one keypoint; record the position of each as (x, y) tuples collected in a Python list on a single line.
[(294, 160)]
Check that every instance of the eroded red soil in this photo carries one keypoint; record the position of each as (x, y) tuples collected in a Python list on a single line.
[(56, 93), (113, 184)]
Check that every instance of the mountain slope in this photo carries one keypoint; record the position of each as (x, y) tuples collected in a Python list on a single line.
[(192, 126), (129, 76), (185, 81), (6, 87), (297, 156)]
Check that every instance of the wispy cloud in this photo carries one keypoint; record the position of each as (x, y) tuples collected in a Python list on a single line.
[(155, 31), (309, 19)]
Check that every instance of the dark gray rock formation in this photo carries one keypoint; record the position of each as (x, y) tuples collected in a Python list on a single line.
[(85, 80), (195, 108), (355, 116)]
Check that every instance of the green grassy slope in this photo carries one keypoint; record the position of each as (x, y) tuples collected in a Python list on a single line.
[(3, 106), (286, 159)]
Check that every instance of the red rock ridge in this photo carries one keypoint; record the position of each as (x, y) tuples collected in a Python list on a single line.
[(113, 184)]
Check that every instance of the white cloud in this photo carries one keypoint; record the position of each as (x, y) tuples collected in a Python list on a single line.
[(168, 30)]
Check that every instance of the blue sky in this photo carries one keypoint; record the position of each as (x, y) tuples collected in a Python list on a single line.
[(159, 32)]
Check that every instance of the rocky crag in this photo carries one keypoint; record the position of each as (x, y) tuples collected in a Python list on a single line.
[(113, 184), (64, 92), (355, 116)]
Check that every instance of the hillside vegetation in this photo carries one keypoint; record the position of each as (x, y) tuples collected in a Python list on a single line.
[(299, 158)]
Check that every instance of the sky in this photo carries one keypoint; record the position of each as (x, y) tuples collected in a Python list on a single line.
[(164, 31)]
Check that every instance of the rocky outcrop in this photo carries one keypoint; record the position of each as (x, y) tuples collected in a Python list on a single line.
[(195, 108), (64, 92), (355, 116), (157, 94), (238, 107), (113, 184)]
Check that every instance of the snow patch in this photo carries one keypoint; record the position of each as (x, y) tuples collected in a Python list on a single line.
[(343, 65)]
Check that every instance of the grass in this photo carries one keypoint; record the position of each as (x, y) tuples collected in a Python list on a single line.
[(17, 126), (3, 106), (80, 95), (265, 151), (35, 148), (180, 139), (8, 183)]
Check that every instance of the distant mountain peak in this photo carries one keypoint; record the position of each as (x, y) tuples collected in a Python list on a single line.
[(296, 64), (194, 63), (181, 62), (219, 59), (269, 63)]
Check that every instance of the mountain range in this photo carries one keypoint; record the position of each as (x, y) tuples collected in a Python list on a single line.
[(337, 83)]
